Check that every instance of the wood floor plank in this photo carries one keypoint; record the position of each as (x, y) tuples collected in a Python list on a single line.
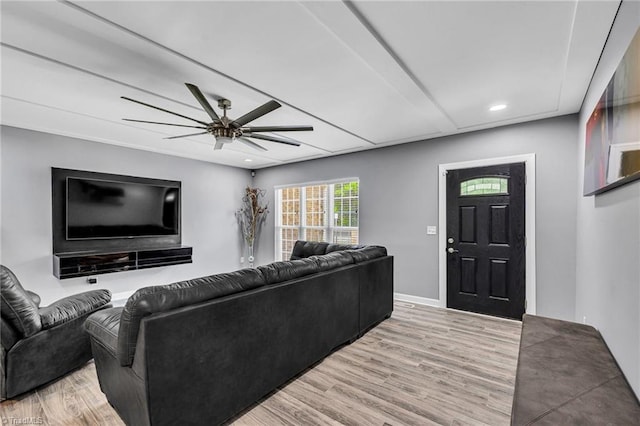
[(292, 410), (422, 366), (343, 412)]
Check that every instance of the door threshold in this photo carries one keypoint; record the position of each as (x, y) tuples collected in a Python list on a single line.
[(483, 315)]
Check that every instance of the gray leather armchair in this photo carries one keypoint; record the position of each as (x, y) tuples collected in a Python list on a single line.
[(41, 344)]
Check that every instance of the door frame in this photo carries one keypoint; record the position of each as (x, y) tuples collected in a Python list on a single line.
[(530, 222)]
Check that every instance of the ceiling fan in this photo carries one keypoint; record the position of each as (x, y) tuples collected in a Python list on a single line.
[(226, 130)]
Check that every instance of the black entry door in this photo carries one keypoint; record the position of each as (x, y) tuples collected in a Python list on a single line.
[(486, 240)]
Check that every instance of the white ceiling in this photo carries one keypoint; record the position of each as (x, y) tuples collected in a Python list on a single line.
[(365, 74)]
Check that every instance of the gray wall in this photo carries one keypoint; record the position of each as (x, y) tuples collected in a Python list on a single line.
[(399, 198), (210, 196), (608, 231)]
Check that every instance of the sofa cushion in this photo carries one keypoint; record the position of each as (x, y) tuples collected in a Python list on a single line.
[(339, 247), (162, 298), (303, 249), (277, 272), (332, 260), (103, 326), (17, 307), (367, 253)]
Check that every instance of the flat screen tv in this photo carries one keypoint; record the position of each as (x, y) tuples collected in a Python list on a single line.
[(111, 209), (104, 212)]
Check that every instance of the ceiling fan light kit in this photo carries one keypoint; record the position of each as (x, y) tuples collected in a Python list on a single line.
[(225, 130)]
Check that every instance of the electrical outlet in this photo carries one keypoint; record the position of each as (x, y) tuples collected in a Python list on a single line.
[(241, 259), (584, 319), (432, 230)]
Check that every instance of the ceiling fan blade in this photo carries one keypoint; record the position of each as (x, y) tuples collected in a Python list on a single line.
[(256, 113), (186, 136), (278, 129), (251, 144), (166, 124), (218, 145), (271, 138), (165, 110), (203, 101)]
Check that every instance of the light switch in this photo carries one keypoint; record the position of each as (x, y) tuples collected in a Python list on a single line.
[(432, 230)]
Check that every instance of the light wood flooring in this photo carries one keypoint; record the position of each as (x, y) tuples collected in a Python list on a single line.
[(422, 366)]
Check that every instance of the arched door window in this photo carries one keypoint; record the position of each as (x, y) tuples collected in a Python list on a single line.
[(484, 186)]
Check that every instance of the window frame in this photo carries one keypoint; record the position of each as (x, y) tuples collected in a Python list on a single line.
[(329, 228)]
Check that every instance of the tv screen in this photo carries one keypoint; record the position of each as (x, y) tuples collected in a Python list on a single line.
[(112, 209)]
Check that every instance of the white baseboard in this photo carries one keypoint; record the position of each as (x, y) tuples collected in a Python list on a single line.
[(417, 299)]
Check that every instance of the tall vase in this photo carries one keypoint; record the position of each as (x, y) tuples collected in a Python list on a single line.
[(250, 258)]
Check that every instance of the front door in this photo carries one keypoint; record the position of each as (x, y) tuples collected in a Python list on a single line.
[(486, 240)]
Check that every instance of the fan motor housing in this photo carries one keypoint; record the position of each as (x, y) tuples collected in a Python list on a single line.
[(225, 132)]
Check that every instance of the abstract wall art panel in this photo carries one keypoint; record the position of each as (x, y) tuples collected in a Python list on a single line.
[(612, 151)]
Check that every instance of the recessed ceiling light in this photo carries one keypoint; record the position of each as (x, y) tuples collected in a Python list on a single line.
[(497, 107), (248, 160)]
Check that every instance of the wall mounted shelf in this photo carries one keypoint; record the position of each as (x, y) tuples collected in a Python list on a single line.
[(81, 264)]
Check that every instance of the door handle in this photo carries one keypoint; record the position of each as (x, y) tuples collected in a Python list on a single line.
[(452, 250)]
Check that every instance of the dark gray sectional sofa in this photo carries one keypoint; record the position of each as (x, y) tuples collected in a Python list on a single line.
[(203, 350)]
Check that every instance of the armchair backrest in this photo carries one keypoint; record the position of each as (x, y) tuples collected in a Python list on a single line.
[(17, 307)]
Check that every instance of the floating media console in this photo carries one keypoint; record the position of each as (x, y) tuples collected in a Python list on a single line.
[(72, 265), (106, 223)]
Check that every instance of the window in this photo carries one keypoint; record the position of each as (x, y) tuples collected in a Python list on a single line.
[(484, 186), (325, 211)]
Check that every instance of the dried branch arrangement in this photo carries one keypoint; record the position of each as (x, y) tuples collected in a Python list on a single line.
[(252, 216)]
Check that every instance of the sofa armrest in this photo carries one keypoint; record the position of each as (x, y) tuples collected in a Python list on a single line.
[(73, 307), (103, 327)]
